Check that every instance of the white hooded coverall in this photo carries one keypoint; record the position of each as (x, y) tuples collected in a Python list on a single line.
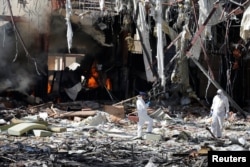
[(220, 109), (143, 116)]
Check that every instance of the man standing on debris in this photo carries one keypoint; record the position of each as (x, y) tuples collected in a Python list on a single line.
[(219, 110), (141, 107)]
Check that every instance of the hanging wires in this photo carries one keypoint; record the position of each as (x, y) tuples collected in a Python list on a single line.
[(210, 72), (4, 6), (16, 41), (228, 74), (4, 34), (228, 63), (20, 38)]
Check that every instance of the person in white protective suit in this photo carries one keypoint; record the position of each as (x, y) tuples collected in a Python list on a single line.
[(141, 107), (219, 110)]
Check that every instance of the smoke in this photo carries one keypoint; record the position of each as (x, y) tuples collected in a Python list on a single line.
[(21, 73), (14, 75), (20, 80)]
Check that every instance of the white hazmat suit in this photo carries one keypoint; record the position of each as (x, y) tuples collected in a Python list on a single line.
[(219, 109), (143, 116)]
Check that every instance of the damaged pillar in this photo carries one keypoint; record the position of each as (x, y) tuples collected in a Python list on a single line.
[(180, 74), (160, 57), (143, 31)]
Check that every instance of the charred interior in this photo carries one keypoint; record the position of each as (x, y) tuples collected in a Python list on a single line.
[(106, 56), (81, 79)]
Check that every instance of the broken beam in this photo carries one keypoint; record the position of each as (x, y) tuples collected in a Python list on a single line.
[(197, 35), (233, 103), (239, 9), (195, 38)]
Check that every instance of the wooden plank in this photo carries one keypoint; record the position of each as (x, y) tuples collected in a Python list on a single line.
[(116, 112), (77, 113)]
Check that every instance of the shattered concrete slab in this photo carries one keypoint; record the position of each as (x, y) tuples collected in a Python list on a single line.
[(181, 139)]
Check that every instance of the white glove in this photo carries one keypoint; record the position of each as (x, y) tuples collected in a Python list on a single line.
[(211, 113), (148, 103), (226, 115)]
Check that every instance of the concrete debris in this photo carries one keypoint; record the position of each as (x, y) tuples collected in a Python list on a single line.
[(151, 136), (41, 133), (116, 113), (56, 128), (2, 122), (99, 118), (159, 114), (43, 115), (77, 119), (178, 135), (151, 163)]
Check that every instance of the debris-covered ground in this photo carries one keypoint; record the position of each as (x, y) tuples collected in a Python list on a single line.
[(86, 133)]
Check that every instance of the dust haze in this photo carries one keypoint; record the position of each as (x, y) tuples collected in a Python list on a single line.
[(17, 66)]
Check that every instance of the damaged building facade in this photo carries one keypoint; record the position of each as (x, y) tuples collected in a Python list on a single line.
[(78, 77), (111, 50)]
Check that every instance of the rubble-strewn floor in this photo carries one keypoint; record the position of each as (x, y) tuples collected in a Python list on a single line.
[(180, 141)]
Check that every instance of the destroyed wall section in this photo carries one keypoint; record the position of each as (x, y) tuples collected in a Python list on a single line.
[(115, 54)]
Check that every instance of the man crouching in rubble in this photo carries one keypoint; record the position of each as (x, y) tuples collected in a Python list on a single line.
[(141, 107), (219, 110)]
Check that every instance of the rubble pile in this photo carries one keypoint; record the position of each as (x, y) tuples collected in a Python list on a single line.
[(86, 133)]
